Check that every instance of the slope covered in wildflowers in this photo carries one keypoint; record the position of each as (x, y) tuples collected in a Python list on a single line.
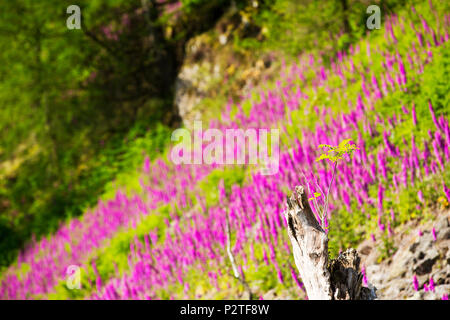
[(389, 93)]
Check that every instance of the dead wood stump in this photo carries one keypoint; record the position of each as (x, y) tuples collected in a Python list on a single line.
[(338, 279)]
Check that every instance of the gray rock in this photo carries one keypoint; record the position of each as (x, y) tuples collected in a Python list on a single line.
[(442, 276), (396, 288), (374, 274), (443, 234), (424, 267), (442, 224), (419, 256)]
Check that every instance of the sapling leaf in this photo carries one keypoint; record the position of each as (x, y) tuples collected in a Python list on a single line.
[(344, 143), (334, 154), (322, 156)]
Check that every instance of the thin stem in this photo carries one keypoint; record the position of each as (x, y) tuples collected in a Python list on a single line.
[(316, 205), (230, 254), (315, 202), (329, 188), (240, 276), (322, 217)]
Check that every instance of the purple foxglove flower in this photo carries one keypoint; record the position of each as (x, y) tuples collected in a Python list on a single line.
[(147, 165), (374, 82), (390, 231), (446, 152), (363, 271), (435, 40), (404, 173), (426, 153), (420, 38), (413, 114), (388, 145), (380, 198), (415, 283), (438, 154), (439, 140), (420, 196), (433, 115), (425, 26), (405, 111), (373, 170), (433, 167), (296, 280), (445, 296), (398, 78), (346, 198), (368, 49), (326, 224), (433, 232), (446, 191), (420, 233), (402, 71), (98, 283), (266, 260), (391, 32), (394, 181), (279, 273), (359, 104), (431, 284), (391, 81), (446, 127), (381, 226), (382, 165)]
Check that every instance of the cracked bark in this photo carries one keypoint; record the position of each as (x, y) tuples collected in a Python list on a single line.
[(338, 279)]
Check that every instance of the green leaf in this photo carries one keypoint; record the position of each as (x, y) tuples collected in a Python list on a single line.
[(344, 143), (322, 156)]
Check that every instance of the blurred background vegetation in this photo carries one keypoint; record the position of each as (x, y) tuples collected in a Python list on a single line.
[(80, 109)]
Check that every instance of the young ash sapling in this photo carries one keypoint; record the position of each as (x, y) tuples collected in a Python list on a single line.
[(334, 154)]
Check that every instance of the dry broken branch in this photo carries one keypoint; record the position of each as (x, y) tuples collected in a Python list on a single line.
[(339, 279), (237, 274)]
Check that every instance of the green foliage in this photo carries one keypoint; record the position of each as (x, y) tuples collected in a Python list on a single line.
[(334, 154), (77, 142), (345, 230), (112, 257), (293, 27), (337, 153), (81, 108), (316, 195), (230, 175), (126, 159), (118, 164), (43, 119), (387, 248)]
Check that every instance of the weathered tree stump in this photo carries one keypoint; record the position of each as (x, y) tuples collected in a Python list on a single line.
[(338, 279)]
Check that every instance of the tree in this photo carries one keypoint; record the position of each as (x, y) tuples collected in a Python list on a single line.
[(66, 93)]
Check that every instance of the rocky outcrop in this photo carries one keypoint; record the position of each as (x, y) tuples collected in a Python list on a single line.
[(421, 254), (212, 68)]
